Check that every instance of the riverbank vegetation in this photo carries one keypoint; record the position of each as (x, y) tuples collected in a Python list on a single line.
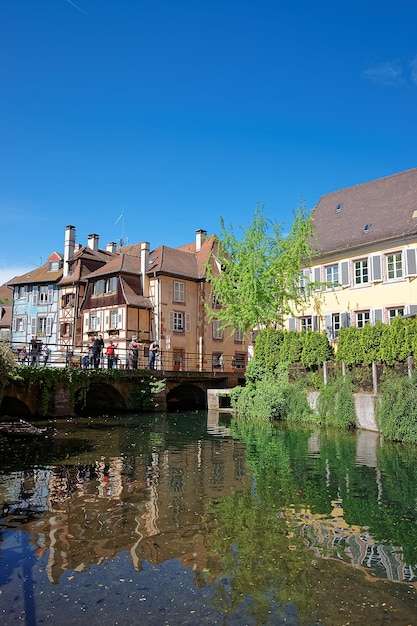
[(288, 364)]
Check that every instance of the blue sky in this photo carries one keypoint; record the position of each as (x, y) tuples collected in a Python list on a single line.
[(173, 113)]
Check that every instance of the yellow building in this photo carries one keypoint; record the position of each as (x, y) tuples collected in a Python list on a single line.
[(366, 261)]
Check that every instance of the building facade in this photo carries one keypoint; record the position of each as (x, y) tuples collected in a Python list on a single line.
[(365, 268)]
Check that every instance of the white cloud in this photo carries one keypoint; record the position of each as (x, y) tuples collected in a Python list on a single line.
[(413, 70), (389, 73), (6, 273)]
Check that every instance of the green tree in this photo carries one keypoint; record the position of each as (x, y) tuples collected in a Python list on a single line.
[(8, 367), (256, 278)]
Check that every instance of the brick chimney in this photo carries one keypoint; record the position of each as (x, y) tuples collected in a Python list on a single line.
[(93, 242), (200, 235), (68, 248)]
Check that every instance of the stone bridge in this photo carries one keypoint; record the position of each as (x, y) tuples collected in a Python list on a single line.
[(181, 391)]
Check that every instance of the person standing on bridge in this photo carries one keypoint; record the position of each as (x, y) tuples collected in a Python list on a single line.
[(134, 353), (153, 351)]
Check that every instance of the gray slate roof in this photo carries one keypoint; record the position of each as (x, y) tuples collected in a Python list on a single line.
[(388, 206)]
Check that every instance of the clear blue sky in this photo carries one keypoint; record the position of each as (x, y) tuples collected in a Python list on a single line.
[(176, 112)]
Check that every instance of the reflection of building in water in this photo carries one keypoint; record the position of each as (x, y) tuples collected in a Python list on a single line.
[(332, 537), (150, 506)]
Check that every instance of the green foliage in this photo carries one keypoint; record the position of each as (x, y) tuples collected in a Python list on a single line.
[(8, 367), (271, 397), (268, 348), (350, 349), (396, 414), (78, 381), (292, 347), (336, 406), (394, 344), (316, 350), (259, 279), (370, 338)]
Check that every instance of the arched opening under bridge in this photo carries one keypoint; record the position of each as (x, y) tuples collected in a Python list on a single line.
[(14, 407), (100, 399), (186, 397)]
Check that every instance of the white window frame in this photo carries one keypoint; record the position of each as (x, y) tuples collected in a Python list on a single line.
[(361, 273), (394, 312), (363, 318), (114, 319), (179, 291), (394, 265), (306, 323), (41, 325), (336, 325), (332, 276), (43, 294), (93, 321)]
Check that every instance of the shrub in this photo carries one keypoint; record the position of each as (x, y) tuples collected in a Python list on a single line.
[(316, 350), (396, 413), (336, 405)]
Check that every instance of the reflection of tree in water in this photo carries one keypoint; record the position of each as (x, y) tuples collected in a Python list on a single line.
[(257, 542)]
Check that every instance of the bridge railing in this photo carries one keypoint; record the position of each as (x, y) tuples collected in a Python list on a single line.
[(81, 357)]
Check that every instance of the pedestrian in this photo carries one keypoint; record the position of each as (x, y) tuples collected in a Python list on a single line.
[(69, 357), (98, 344), (34, 351), (153, 351), (23, 355), (221, 363), (45, 352), (111, 355), (134, 353), (85, 360)]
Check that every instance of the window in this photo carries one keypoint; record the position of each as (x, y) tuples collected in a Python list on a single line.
[(362, 318), (303, 280), (215, 302), (41, 325), (98, 288), (306, 324), (176, 321), (393, 313), (217, 331), (43, 294), (21, 292), (179, 291), (394, 266), (67, 300), (332, 276), (19, 324), (239, 336), (361, 272), (93, 321), (53, 266), (111, 285), (114, 319), (66, 329), (335, 325)]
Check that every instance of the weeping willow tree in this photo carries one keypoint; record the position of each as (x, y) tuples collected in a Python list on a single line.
[(256, 278)]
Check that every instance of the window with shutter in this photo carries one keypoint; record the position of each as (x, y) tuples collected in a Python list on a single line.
[(376, 272)]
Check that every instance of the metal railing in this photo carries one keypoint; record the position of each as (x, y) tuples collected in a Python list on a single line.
[(80, 357)]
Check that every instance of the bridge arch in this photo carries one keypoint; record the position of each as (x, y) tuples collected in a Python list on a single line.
[(14, 407), (99, 399), (186, 397)]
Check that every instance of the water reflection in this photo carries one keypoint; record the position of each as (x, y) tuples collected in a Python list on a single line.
[(262, 522)]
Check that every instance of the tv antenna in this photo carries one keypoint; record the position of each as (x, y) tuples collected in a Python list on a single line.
[(122, 241)]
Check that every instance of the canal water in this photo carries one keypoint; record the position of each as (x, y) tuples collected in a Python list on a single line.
[(185, 518)]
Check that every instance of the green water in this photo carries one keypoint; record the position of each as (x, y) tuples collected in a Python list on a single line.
[(179, 519)]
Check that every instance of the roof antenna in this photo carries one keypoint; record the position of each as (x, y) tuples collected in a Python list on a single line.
[(123, 241)]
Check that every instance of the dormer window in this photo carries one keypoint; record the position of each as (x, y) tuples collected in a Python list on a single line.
[(367, 228), (53, 266), (339, 207)]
